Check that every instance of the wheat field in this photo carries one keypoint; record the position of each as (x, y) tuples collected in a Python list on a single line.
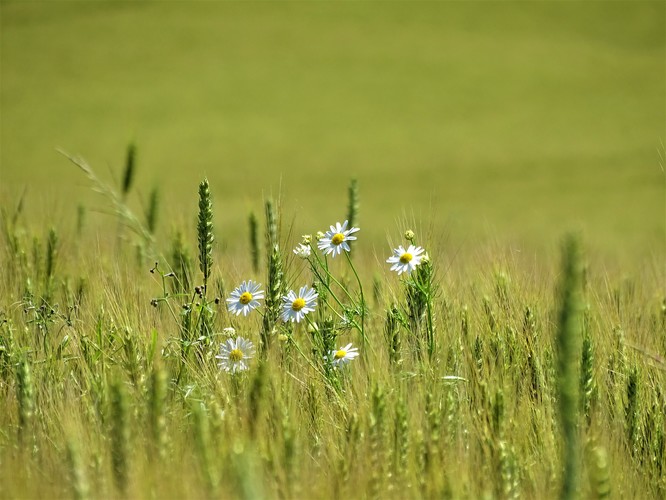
[(299, 250)]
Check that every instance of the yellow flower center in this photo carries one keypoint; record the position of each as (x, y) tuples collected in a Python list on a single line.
[(236, 355), (245, 298), (405, 258), (340, 354), (337, 238), (298, 304)]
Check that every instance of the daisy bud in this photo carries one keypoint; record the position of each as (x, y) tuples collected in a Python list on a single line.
[(409, 235), (320, 235), (306, 239), (282, 337), (229, 331)]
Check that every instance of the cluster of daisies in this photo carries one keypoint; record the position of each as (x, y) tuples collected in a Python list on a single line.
[(235, 353)]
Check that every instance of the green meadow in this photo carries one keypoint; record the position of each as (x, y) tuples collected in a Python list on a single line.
[(156, 156)]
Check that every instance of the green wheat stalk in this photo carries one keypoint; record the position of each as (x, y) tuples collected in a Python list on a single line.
[(205, 236), (353, 203), (569, 355), (153, 209), (130, 167), (120, 436), (254, 241), (275, 282)]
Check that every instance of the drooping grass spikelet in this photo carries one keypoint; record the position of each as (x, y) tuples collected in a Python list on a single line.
[(254, 241), (124, 214), (205, 236), (130, 164), (353, 204), (568, 341), (275, 281), (153, 209)]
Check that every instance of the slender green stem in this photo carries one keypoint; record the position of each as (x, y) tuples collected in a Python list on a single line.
[(360, 287), (312, 365), (324, 265)]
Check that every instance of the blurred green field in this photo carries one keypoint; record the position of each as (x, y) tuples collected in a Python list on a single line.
[(510, 122)]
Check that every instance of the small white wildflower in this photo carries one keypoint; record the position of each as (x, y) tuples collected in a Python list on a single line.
[(295, 307), (336, 240), (303, 251), (235, 354), (406, 260), (342, 356), (244, 298)]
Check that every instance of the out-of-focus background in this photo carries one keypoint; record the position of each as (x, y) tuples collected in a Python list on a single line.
[(484, 121)]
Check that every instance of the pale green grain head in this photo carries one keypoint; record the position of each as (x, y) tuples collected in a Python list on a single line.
[(205, 236)]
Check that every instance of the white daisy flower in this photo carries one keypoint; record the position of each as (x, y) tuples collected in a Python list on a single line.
[(235, 354), (245, 298), (302, 251), (296, 306), (406, 260), (336, 240), (343, 355)]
